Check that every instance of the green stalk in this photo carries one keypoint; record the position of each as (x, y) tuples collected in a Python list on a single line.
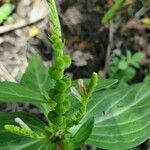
[(66, 145), (56, 35), (54, 18)]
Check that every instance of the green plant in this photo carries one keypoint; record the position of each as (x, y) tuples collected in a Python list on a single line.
[(147, 77), (5, 12), (124, 67), (112, 11), (94, 114)]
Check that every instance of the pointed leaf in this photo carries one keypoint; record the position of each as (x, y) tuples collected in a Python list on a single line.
[(83, 133), (13, 142), (13, 92), (32, 121), (40, 145), (137, 57), (105, 84), (123, 65), (36, 76), (16, 142), (122, 117)]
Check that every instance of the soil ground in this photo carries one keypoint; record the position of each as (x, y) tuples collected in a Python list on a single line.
[(88, 41)]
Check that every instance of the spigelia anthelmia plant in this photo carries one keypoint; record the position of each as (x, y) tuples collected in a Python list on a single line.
[(88, 111)]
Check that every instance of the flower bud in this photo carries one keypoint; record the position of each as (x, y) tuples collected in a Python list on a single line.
[(67, 60), (52, 115), (59, 98), (59, 120), (57, 74), (52, 93), (61, 86), (21, 131), (93, 83), (61, 109), (68, 81), (59, 63), (67, 104)]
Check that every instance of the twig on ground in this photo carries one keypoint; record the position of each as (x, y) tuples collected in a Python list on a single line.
[(19, 24), (134, 23), (109, 48)]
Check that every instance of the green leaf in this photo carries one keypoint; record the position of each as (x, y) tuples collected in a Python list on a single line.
[(13, 92), (16, 142), (83, 133), (128, 74), (36, 76), (5, 11), (105, 84), (136, 58), (147, 78), (40, 145), (128, 55), (123, 65), (32, 121), (122, 117), (13, 142)]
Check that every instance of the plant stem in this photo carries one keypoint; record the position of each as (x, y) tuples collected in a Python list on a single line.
[(65, 144)]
